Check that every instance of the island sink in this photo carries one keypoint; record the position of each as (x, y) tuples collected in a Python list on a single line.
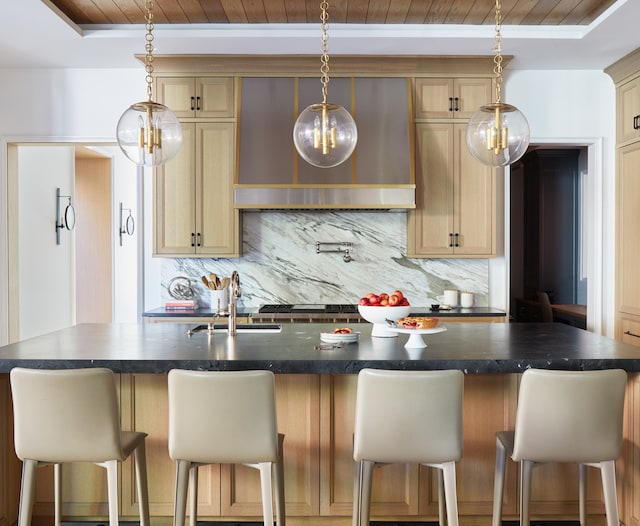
[(240, 328)]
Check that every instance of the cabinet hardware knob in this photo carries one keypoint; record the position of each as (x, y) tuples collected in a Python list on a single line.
[(193, 103), (450, 239), (457, 243), (193, 239), (450, 103), (198, 108), (199, 239), (636, 122), (632, 334), (457, 106)]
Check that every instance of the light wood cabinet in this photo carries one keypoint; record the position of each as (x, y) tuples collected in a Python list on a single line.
[(628, 222), (626, 75), (628, 111), (455, 212), (451, 98), (197, 97), (194, 213)]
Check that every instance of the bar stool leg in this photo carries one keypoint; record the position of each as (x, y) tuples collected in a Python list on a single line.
[(582, 490), (112, 491), (498, 488), (608, 473), (266, 484), (182, 485), (27, 492), (279, 483), (193, 494), (140, 461), (526, 467), (449, 474), (365, 491), (357, 493), (57, 494), (442, 520)]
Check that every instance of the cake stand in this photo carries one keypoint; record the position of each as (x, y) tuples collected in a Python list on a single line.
[(415, 340)]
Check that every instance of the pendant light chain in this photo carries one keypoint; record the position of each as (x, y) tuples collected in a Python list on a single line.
[(148, 60), (498, 49), (324, 69)]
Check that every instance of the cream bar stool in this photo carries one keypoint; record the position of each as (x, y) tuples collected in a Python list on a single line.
[(408, 417), (564, 416), (72, 415), (224, 418)]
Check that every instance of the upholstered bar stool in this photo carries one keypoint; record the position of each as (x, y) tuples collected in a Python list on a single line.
[(225, 418), (72, 415), (408, 417), (564, 416)]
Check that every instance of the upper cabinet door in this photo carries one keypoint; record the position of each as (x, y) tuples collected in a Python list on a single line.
[(628, 111), (451, 98), (177, 94), (189, 97)]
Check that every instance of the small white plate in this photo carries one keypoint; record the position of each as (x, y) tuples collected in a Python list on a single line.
[(331, 337), (415, 339)]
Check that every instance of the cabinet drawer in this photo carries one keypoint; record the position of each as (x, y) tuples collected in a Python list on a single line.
[(630, 330)]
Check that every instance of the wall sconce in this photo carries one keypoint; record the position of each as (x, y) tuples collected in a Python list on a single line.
[(127, 226), (335, 247), (68, 220)]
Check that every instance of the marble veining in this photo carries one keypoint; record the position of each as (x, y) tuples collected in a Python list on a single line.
[(280, 263)]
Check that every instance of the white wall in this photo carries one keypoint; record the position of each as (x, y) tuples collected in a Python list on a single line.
[(46, 270)]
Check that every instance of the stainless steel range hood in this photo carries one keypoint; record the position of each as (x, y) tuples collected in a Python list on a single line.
[(325, 197), (379, 174)]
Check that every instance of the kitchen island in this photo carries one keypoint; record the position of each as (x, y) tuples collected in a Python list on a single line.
[(472, 348), (315, 404)]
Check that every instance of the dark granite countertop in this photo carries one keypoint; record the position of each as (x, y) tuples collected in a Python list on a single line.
[(472, 348)]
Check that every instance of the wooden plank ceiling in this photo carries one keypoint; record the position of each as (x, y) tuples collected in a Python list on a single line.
[(474, 12)]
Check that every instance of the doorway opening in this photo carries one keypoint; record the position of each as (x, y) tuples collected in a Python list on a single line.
[(548, 241)]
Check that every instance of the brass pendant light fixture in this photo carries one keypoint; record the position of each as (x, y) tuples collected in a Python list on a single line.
[(498, 133), (325, 134), (149, 133)]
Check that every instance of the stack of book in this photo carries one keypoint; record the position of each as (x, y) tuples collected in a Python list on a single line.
[(181, 305)]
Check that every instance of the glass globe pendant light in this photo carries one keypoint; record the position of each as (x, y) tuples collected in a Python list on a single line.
[(498, 134), (325, 134), (149, 133)]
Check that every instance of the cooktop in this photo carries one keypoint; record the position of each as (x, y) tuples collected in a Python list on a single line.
[(309, 308)]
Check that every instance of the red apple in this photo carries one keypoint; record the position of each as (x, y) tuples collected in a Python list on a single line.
[(384, 302), (394, 300), (374, 299), (404, 302), (383, 296), (398, 293)]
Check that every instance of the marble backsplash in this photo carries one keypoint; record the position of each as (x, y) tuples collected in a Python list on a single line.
[(280, 263)]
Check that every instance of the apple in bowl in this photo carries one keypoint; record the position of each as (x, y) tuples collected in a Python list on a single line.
[(377, 308)]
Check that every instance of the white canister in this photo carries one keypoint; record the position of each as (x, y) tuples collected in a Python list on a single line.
[(220, 300), (451, 298), (466, 300)]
